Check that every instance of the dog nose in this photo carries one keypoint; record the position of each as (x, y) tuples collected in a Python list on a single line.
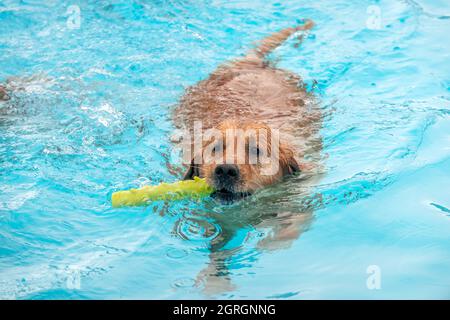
[(227, 171)]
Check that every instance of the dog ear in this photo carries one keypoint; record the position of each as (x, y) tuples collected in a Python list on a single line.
[(290, 166), (192, 171)]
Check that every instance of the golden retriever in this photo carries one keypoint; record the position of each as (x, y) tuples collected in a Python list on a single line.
[(247, 101)]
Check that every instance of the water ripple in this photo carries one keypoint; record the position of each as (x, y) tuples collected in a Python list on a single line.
[(197, 229)]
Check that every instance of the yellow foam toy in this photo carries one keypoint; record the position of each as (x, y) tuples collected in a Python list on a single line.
[(196, 188)]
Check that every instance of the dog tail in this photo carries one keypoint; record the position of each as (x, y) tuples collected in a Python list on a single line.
[(271, 42)]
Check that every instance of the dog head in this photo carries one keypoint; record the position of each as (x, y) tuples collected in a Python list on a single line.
[(239, 158)]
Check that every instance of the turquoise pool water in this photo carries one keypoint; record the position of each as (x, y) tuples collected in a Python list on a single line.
[(90, 114)]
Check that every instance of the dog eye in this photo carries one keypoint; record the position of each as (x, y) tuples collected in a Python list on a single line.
[(217, 148), (256, 151)]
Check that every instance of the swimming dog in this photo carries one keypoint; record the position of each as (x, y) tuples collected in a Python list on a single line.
[(247, 101)]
